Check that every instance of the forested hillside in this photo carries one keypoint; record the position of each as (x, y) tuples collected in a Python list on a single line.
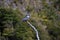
[(44, 16)]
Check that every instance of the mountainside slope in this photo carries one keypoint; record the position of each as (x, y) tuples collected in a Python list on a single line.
[(43, 15)]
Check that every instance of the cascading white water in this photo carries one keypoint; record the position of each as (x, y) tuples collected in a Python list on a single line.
[(37, 35), (25, 12)]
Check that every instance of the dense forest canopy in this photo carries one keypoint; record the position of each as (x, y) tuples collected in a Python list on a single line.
[(44, 15)]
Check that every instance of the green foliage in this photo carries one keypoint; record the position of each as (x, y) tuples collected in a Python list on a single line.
[(29, 8), (15, 28), (8, 19), (57, 5), (49, 17), (11, 22)]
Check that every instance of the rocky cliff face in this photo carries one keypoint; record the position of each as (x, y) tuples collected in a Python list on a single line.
[(21, 4)]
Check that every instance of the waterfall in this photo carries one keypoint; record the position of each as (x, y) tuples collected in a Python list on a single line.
[(37, 35)]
